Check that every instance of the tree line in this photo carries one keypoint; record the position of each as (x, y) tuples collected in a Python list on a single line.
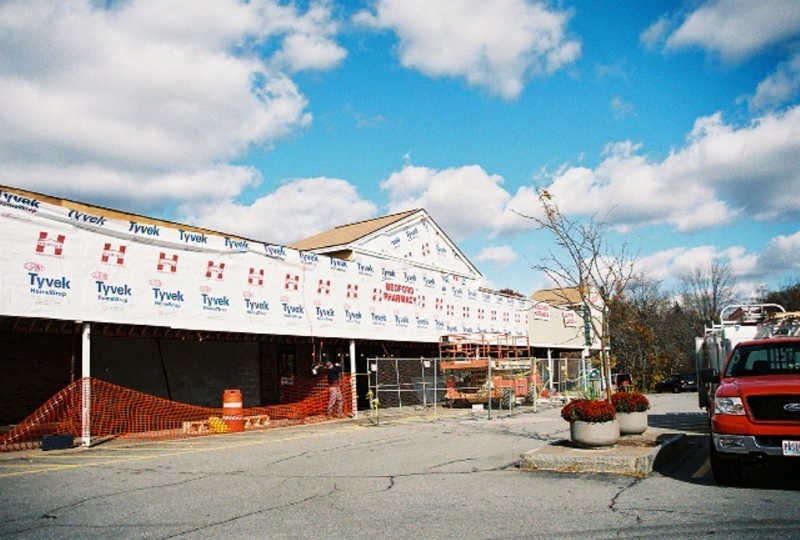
[(652, 328), (648, 328)]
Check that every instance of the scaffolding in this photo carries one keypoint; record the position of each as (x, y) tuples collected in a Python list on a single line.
[(488, 368)]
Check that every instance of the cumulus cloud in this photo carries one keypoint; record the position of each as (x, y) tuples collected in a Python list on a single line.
[(667, 264), (149, 94), (732, 29), (499, 255), (780, 255), (779, 87), (722, 172), (296, 210), (463, 200), (494, 44)]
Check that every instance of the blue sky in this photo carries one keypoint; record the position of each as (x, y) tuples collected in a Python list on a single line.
[(678, 122)]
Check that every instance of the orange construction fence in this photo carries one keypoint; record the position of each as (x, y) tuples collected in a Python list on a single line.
[(121, 412)]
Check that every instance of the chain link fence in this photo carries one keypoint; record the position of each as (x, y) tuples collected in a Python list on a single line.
[(479, 383)]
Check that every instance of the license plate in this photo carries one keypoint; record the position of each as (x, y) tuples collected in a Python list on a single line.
[(791, 448)]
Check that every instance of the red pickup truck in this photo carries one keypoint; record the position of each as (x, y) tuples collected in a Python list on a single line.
[(755, 410)]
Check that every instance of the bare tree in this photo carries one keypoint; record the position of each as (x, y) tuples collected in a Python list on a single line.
[(705, 291), (588, 263), (787, 296)]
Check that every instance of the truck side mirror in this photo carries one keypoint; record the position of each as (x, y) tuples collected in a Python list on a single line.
[(709, 375)]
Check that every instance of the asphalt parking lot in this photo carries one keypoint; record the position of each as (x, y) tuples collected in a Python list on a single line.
[(417, 473)]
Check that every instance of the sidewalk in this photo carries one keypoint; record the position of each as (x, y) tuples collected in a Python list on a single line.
[(670, 418)]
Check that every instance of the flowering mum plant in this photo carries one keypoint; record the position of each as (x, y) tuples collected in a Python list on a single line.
[(588, 410), (627, 402)]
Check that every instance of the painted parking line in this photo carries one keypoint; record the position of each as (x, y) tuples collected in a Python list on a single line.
[(703, 470), (85, 459)]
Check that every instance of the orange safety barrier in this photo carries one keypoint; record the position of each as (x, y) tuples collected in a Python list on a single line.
[(232, 413), (116, 411)]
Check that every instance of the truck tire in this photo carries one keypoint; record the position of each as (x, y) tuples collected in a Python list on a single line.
[(726, 472)]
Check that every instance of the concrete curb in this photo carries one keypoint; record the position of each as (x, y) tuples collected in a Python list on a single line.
[(633, 455)]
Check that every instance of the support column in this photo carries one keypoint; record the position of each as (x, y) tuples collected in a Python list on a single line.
[(86, 386), (353, 377), (585, 368), (550, 370)]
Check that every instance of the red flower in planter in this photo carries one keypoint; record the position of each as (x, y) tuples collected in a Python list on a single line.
[(627, 402), (588, 410)]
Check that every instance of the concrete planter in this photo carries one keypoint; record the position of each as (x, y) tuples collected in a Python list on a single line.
[(632, 423), (594, 434)]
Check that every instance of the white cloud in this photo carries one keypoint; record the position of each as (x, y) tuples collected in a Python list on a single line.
[(294, 211), (462, 200), (308, 41), (667, 264), (499, 255), (494, 44), (780, 255), (151, 96), (734, 29), (621, 109), (721, 173), (654, 34), (778, 87)]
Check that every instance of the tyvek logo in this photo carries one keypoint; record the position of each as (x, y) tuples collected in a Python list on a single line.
[(339, 265), (80, 217), (275, 252), (192, 238), (146, 230), (325, 314), (365, 269), (48, 286), (120, 294), (165, 298), (215, 303), (18, 202), (401, 321), (52, 246), (255, 307), (309, 259), (235, 244), (352, 316), (293, 311)]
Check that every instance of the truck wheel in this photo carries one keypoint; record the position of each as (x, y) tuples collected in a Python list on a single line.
[(505, 401), (727, 472), (676, 389)]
